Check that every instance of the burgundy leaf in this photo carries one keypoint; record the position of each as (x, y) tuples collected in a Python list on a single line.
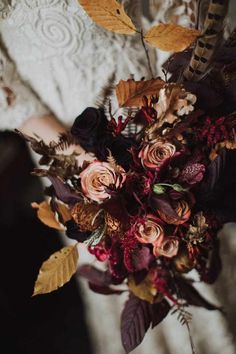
[(217, 192), (104, 290), (203, 90), (115, 207), (215, 171), (192, 296), (159, 311), (141, 258), (163, 204), (94, 275), (63, 192), (135, 321), (214, 265)]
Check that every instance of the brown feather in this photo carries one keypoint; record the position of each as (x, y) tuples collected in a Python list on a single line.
[(203, 53)]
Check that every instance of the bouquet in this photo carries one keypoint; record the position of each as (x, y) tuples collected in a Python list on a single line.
[(161, 183)]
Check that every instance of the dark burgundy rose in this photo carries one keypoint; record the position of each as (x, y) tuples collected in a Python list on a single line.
[(119, 146), (89, 128), (74, 232)]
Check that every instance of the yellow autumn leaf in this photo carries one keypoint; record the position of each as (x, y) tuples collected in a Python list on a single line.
[(110, 15), (144, 290), (130, 93), (57, 270), (48, 217), (170, 37)]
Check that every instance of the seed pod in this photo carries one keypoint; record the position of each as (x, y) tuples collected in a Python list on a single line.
[(87, 216)]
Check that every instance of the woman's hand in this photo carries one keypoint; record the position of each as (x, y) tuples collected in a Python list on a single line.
[(48, 128)]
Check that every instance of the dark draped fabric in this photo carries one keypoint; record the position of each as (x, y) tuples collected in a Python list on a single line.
[(47, 324)]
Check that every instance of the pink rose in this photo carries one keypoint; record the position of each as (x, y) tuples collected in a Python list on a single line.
[(150, 230), (99, 178), (154, 155), (168, 248)]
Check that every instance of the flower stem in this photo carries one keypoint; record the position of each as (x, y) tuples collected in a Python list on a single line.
[(147, 54)]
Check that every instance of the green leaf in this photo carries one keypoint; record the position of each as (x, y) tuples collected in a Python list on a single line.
[(178, 188), (159, 189), (97, 236)]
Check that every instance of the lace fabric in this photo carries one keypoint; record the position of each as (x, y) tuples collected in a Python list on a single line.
[(64, 56)]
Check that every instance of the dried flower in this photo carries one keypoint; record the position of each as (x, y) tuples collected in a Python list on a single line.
[(168, 247), (87, 216), (99, 179), (182, 209), (114, 226), (183, 263), (149, 230), (198, 230), (154, 155), (174, 101), (192, 173)]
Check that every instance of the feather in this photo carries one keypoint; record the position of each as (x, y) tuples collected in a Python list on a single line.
[(207, 44), (106, 92)]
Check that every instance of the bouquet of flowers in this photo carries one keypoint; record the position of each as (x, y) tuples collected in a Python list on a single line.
[(159, 188)]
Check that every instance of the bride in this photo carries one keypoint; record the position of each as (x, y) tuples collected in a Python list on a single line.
[(54, 63)]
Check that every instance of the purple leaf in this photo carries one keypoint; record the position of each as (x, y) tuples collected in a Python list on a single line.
[(214, 264), (63, 192), (163, 204), (104, 290), (94, 275), (217, 192), (159, 311), (192, 296), (215, 171), (141, 258), (115, 207), (203, 90), (135, 321)]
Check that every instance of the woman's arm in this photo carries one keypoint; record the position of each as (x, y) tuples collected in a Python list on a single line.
[(47, 127)]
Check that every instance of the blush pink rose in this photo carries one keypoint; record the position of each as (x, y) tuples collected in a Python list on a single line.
[(150, 230), (99, 178), (168, 248), (155, 154)]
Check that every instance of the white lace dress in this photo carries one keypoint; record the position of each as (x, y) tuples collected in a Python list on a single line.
[(61, 62)]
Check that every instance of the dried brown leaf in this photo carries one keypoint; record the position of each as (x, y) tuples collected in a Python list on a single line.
[(47, 216), (64, 212), (110, 15), (130, 93), (144, 290), (57, 270), (170, 37)]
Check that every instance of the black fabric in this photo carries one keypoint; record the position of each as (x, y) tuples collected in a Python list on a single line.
[(46, 324)]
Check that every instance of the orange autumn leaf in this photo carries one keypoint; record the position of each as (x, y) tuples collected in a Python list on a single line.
[(110, 15), (170, 37), (130, 93), (48, 217)]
